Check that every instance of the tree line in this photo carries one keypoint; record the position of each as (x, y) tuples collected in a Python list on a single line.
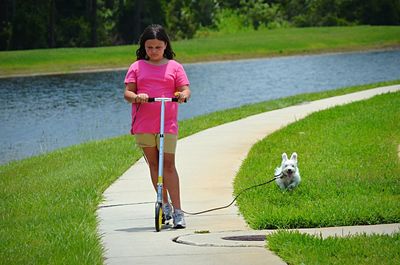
[(33, 24)]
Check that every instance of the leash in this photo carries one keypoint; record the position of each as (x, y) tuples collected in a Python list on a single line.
[(237, 196), (280, 175)]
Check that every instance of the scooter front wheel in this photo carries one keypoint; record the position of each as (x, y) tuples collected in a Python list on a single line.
[(158, 216)]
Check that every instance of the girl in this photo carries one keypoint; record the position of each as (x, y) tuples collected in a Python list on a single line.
[(156, 74)]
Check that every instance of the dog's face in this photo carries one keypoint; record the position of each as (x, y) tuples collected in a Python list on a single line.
[(289, 166), (288, 173)]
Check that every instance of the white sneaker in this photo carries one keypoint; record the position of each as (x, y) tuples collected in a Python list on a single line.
[(179, 219), (167, 212)]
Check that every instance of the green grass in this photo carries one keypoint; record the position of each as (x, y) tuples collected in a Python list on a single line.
[(214, 46), (48, 203), (286, 41), (64, 60), (296, 248), (349, 166)]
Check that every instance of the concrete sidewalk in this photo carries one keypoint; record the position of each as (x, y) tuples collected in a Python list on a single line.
[(207, 163)]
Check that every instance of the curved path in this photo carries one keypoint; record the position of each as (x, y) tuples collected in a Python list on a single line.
[(207, 163)]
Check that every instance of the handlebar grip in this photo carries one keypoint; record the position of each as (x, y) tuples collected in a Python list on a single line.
[(176, 100), (172, 99)]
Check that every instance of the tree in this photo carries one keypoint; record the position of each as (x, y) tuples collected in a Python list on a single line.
[(135, 15), (184, 17), (51, 41), (32, 24), (379, 12), (259, 12), (29, 25), (204, 11), (180, 19), (7, 11), (342, 12), (92, 17)]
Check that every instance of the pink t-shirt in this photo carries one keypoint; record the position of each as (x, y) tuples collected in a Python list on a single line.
[(156, 81)]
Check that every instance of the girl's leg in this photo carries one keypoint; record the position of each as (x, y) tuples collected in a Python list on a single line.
[(171, 180), (151, 155)]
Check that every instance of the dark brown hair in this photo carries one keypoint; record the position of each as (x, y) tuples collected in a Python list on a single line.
[(152, 32)]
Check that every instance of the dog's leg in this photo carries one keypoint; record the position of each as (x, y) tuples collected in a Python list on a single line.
[(292, 186)]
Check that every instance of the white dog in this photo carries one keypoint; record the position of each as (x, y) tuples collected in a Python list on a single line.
[(288, 175)]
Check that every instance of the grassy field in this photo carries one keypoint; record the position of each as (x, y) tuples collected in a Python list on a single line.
[(48, 203), (348, 159), (212, 46), (349, 166)]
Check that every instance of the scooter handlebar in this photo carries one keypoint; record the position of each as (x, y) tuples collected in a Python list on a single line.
[(159, 99)]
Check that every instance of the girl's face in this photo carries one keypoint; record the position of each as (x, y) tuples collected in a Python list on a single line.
[(155, 49)]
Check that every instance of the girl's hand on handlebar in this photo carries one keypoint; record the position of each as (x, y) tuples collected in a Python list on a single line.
[(182, 97), (141, 98)]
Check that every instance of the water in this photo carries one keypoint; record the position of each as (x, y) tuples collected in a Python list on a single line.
[(40, 114)]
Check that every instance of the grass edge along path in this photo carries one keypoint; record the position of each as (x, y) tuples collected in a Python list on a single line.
[(48, 202), (362, 249)]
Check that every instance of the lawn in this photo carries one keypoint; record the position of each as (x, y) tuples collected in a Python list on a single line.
[(349, 164), (48, 202)]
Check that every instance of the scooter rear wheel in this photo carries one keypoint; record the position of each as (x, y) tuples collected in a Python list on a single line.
[(159, 216)]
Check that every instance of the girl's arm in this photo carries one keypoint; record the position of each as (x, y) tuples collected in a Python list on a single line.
[(131, 96), (130, 92)]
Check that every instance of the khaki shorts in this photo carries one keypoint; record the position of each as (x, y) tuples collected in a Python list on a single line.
[(153, 140)]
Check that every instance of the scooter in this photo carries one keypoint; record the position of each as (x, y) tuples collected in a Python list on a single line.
[(158, 207)]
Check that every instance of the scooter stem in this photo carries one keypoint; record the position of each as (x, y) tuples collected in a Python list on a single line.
[(161, 154)]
